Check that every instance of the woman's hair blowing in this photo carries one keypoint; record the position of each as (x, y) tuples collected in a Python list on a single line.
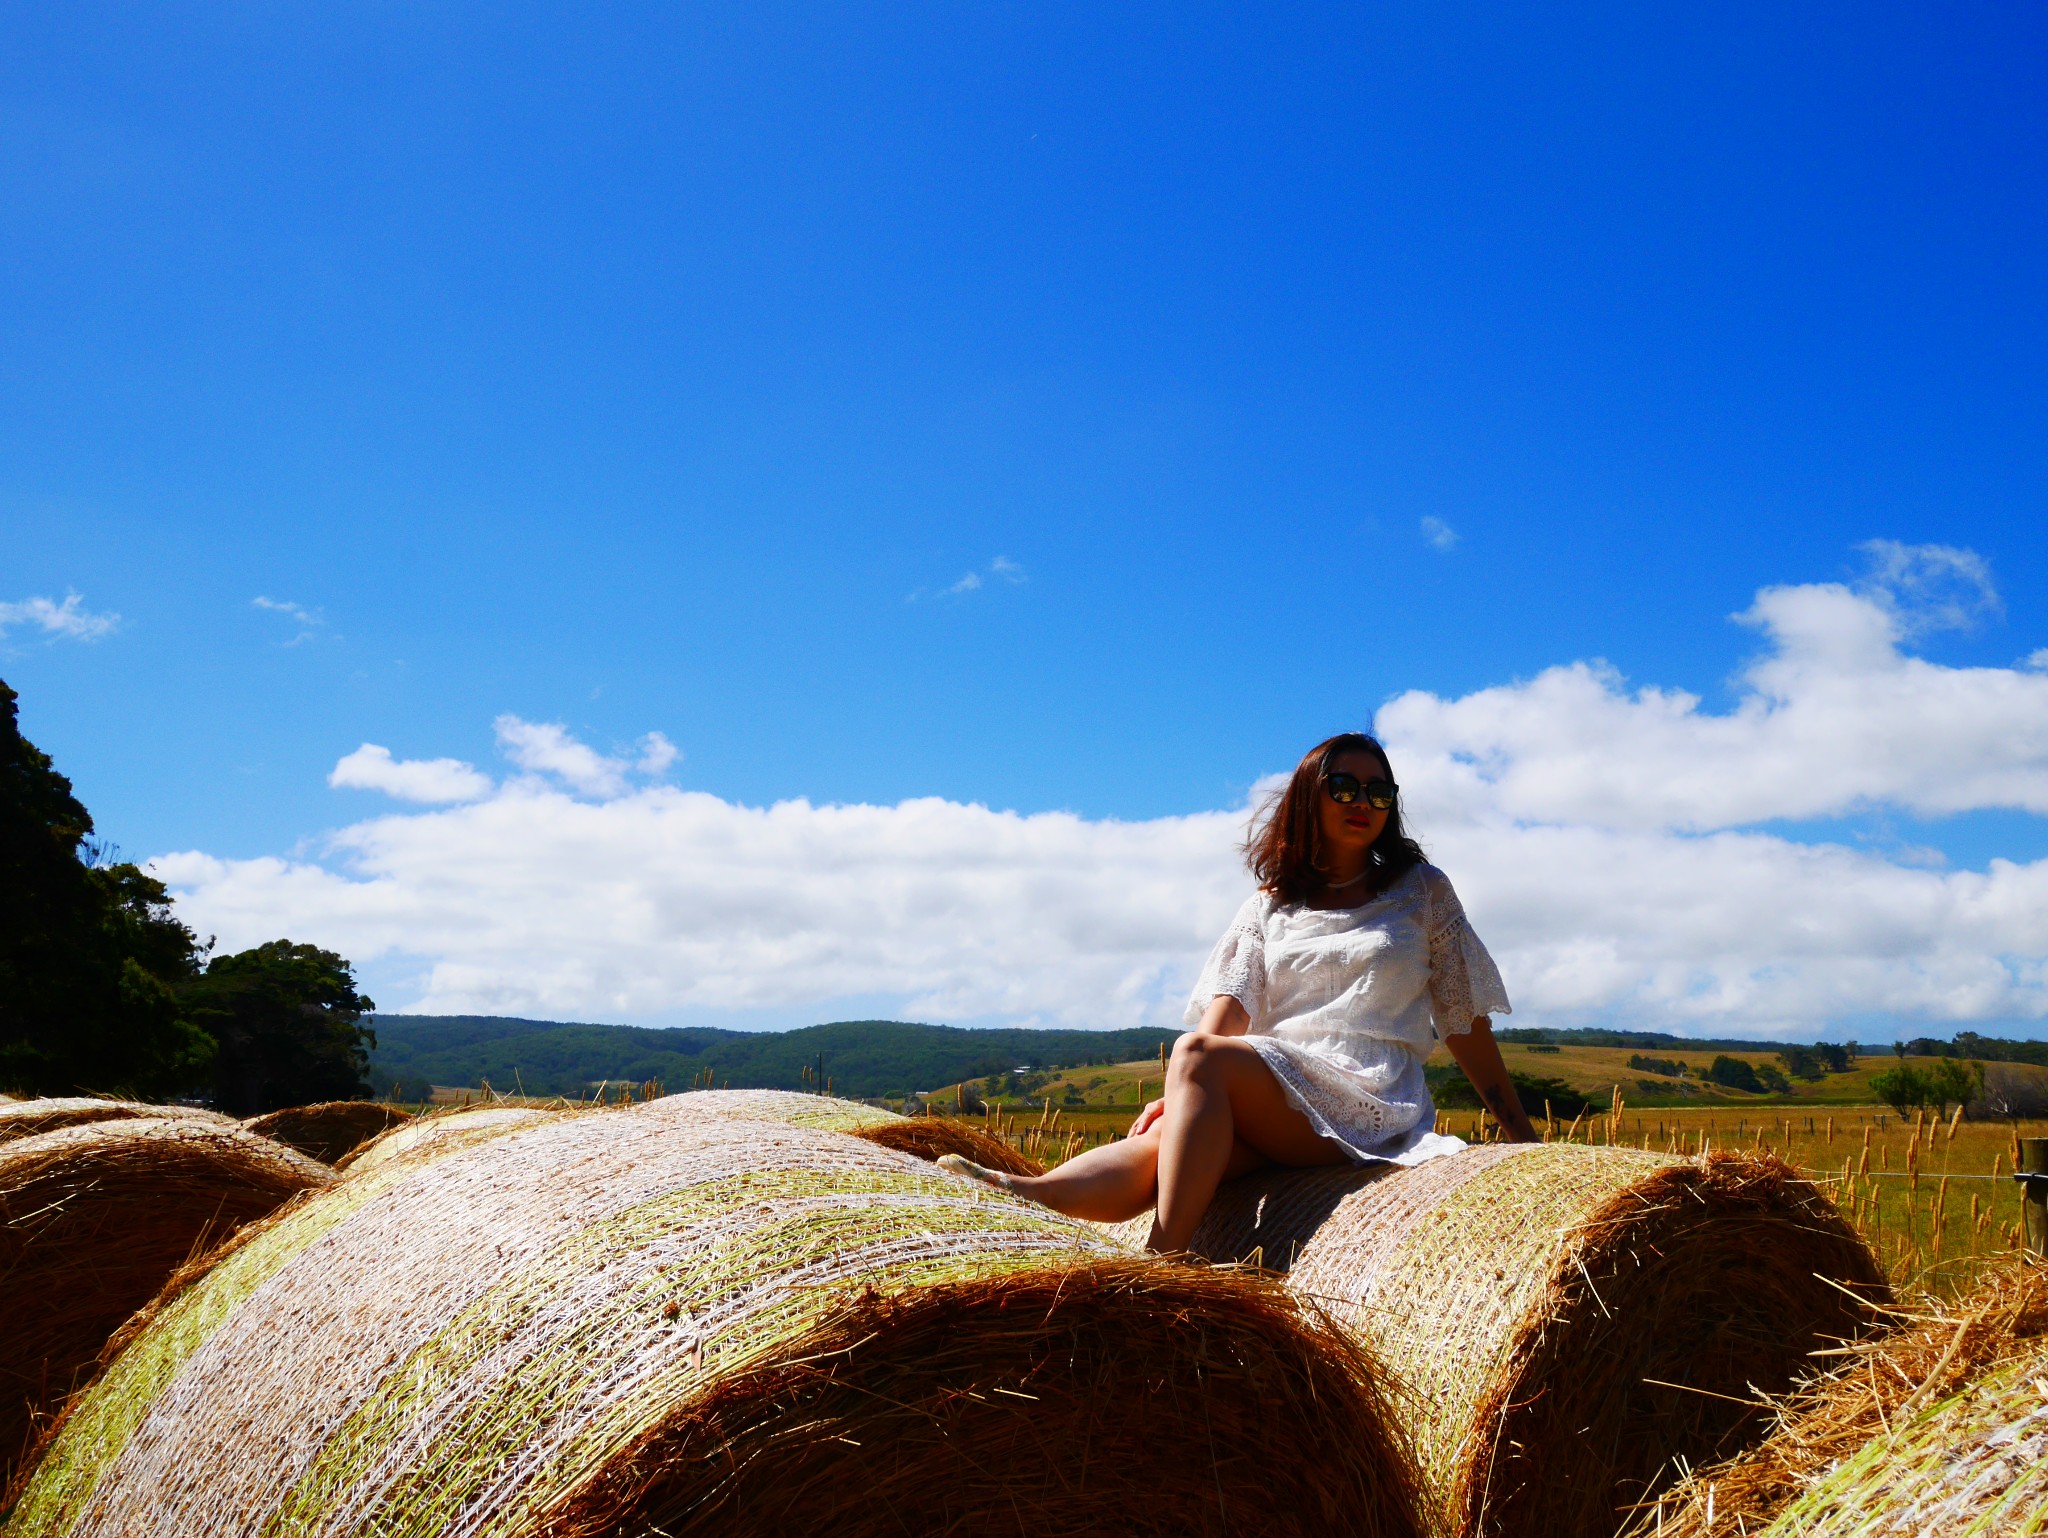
[(1284, 844)]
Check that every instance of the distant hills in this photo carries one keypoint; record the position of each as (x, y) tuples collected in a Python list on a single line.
[(862, 1058)]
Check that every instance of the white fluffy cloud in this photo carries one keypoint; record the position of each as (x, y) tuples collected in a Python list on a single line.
[(1613, 845), (69, 620), (433, 780)]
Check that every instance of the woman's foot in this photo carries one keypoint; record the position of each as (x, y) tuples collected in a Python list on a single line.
[(954, 1164)]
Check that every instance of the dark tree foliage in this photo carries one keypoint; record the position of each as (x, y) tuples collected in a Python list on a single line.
[(290, 1027), (90, 956), (1734, 1073)]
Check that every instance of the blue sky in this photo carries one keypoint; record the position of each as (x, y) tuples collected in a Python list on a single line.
[(640, 369)]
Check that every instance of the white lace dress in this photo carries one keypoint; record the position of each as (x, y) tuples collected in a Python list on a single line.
[(1346, 1005)]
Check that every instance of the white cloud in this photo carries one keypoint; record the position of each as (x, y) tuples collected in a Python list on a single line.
[(966, 584), (1002, 566), (1612, 844), (309, 621), (68, 619), (547, 748), (1440, 535), (657, 755), (1931, 587), (435, 780)]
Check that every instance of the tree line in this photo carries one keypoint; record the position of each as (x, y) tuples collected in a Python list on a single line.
[(104, 989)]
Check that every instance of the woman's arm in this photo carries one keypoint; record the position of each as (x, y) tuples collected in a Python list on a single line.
[(1479, 1055)]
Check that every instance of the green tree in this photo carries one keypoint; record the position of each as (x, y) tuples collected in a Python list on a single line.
[(1734, 1073), (90, 955), (289, 1024)]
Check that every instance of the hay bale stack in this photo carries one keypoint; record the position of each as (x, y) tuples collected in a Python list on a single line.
[(94, 1219), (627, 1323), (444, 1132), (1939, 1427), (331, 1130), (1524, 1293), (926, 1137), (28, 1118)]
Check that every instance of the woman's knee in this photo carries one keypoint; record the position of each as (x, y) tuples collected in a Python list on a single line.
[(1200, 1056)]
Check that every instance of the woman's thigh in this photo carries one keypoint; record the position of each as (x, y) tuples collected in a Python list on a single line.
[(1264, 1119)]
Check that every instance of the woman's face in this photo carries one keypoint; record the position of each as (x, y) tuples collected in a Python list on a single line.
[(1349, 829)]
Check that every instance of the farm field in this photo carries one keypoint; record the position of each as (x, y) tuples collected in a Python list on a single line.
[(1934, 1197)]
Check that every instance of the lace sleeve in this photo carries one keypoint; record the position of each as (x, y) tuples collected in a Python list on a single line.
[(1237, 966), (1463, 981)]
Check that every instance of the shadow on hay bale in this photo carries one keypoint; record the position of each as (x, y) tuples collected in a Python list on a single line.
[(28, 1118), (1536, 1300), (437, 1133), (93, 1220), (331, 1130), (1939, 1427), (625, 1323), (925, 1137)]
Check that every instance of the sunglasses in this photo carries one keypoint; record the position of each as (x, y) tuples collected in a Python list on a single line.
[(1346, 788)]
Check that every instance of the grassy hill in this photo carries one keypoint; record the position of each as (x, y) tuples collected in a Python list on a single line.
[(861, 1058)]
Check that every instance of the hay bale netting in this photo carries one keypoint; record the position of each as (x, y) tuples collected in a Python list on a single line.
[(331, 1130), (1938, 1427), (444, 1132), (1535, 1299), (94, 1219), (28, 1118), (927, 1137), (630, 1323)]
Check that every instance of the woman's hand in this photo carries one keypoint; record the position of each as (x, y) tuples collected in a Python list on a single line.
[(1479, 1055), (1147, 1117)]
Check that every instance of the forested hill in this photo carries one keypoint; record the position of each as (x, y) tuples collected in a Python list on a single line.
[(861, 1057)]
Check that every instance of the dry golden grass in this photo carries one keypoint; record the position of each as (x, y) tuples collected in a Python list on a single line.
[(331, 1130), (94, 1218), (1904, 1420)]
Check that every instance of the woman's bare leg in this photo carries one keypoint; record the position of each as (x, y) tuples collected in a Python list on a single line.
[(1107, 1184), (1220, 1098), (1116, 1181)]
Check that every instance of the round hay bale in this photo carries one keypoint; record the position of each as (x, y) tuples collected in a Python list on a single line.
[(331, 1130), (94, 1219), (626, 1323), (1936, 1427), (1537, 1299), (444, 1132), (926, 1137), (28, 1118)]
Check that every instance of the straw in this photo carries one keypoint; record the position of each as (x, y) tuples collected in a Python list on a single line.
[(93, 1219), (1939, 1427), (438, 1133), (27, 1118), (926, 1137), (331, 1130), (634, 1322), (1565, 1320)]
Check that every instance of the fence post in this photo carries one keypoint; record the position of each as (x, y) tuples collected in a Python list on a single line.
[(2033, 1178)]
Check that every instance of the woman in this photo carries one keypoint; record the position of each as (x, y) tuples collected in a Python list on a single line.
[(1313, 1017)]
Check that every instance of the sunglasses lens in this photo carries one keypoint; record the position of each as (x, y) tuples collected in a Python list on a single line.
[(1380, 794), (1343, 788)]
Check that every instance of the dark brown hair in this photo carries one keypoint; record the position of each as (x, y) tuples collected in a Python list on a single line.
[(1284, 844)]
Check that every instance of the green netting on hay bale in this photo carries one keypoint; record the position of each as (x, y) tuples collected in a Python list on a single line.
[(625, 1323), (28, 1118), (437, 1133), (926, 1137), (94, 1219), (1524, 1293), (331, 1130)]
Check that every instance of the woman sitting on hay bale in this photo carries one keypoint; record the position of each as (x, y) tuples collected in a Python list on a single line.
[(1312, 1019)]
